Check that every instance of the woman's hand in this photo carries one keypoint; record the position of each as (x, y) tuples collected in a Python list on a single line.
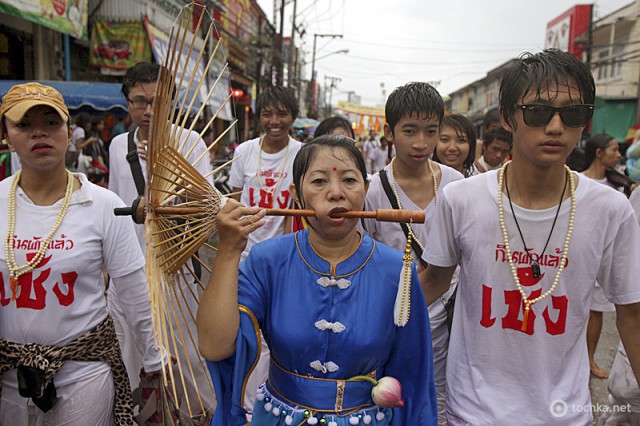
[(235, 222)]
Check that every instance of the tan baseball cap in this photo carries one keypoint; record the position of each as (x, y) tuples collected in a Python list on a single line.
[(22, 97)]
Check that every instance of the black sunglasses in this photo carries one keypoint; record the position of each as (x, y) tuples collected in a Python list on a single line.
[(536, 115)]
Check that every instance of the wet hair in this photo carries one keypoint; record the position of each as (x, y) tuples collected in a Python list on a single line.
[(463, 127), (328, 125), (414, 98), (142, 72), (278, 96), (309, 152), (534, 73), (496, 134), (597, 142)]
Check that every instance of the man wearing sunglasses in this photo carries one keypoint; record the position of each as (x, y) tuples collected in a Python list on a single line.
[(531, 239)]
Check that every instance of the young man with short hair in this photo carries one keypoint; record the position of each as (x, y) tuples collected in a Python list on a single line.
[(139, 88), (531, 239), (413, 181)]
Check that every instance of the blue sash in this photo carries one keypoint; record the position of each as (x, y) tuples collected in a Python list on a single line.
[(320, 395)]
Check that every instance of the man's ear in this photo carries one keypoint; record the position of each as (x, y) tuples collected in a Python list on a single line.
[(388, 132)]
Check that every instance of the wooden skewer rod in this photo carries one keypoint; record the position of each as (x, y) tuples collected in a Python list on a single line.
[(383, 215)]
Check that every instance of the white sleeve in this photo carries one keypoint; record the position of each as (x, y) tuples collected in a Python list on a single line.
[(236, 174), (441, 248), (620, 269), (137, 311), (113, 168)]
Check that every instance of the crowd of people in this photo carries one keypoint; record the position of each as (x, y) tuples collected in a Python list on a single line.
[(489, 312)]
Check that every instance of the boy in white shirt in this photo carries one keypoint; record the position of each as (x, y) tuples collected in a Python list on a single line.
[(413, 181), (517, 353)]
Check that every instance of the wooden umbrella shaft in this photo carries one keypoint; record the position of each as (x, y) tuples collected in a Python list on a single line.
[(384, 215)]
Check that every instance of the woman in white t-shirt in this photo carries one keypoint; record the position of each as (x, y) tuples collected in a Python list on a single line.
[(60, 359), (602, 154)]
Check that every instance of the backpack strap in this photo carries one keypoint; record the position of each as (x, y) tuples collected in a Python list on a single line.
[(394, 203), (134, 162), (138, 178)]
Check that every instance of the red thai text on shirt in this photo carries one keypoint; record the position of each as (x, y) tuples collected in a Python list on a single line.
[(33, 282)]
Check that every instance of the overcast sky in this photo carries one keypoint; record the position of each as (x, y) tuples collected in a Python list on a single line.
[(451, 42)]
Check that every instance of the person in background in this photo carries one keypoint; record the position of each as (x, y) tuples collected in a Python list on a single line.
[(369, 151), (334, 126), (490, 121), (633, 157), (61, 362), (531, 239), (602, 155), (311, 294), (139, 88), (456, 145), (624, 392), (121, 126), (496, 147)]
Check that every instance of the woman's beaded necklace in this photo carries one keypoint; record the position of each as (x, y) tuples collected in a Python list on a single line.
[(528, 302), (395, 193), (14, 270), (284, 166)]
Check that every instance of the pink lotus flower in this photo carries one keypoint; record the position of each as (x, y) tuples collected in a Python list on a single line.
[(386, 392)]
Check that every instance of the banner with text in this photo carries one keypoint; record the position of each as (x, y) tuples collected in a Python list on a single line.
[(65, 16)]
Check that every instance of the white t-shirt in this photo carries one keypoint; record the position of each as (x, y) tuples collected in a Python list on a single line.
[(121, 179), (379, 156), (496, 373), (391, 234), (78, 133), (268, 190), (64, 297)]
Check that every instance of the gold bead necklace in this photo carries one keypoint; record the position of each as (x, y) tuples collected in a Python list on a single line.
[(15, 270), (505, 236)]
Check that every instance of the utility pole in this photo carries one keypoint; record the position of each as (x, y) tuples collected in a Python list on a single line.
[(292, 47), (312, 82), (333, 83), (279, 44)]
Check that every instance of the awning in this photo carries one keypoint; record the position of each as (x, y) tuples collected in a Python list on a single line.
[(90, 96)]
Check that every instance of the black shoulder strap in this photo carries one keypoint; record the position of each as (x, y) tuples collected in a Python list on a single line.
[(394, 203), (134, 162)]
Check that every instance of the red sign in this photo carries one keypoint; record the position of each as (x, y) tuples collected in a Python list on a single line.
[(569, 31)]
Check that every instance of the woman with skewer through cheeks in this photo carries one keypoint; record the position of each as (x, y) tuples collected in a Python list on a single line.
[(60, 362), (324, 300)]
